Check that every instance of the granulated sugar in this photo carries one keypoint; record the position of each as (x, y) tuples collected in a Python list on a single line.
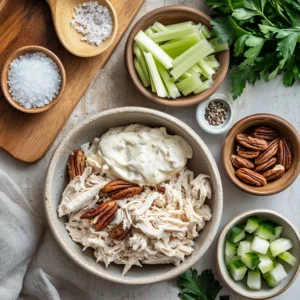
[(93, 21), (34, 80)]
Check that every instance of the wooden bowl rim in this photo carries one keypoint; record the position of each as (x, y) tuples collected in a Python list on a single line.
[(229, 139), (4, 84), (181, 101)]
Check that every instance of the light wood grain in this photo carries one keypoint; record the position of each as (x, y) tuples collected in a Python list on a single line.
[(28, 137)]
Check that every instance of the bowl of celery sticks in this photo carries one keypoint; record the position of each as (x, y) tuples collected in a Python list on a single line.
[(258, 254), (173, 58)]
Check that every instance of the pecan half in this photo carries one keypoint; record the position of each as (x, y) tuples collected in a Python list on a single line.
[(265, 133), (251, 177), (118, 233), (105, 212), (251, 142), (76, 163), (266, 166), (284, 156), (240, 162), (274, 173), (270, 152), (246, 153), (121, 189)]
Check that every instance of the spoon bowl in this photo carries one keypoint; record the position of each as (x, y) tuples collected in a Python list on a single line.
[(62, 14)]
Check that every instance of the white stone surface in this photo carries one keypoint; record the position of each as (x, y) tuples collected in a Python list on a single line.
[(112, 88)]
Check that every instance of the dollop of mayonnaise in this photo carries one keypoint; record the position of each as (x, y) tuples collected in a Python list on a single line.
[(143, 155)]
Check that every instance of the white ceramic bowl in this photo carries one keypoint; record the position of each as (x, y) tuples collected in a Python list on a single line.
[(57, 179), (289, 231), (203, 123)]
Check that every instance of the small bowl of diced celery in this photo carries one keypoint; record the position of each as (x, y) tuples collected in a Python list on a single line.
[(173, 58), (258, 254)]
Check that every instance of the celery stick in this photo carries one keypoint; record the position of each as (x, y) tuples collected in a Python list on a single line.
[(153, 89), (172, 34), (143, 40), (177, 48), (205, 86), (181, 25), (212, 61), (184, 76), (170, 85), (155, 29), (189, 84), (158, 83), (149, 32), (160, 26), (206, 31), (140, 56), (217, 45), (207, 70), (141, 73), (190, 57), (195, 69)]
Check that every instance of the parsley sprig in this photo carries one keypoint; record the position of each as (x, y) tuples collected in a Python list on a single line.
[(265, 35)]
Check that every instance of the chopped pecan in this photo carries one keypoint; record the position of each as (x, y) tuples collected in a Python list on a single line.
[(76, 163), (270, 152), (274, 173), (266, 166), (251, 177), (118, 233), (160, 189), (284, 156), (120, 189), (265, 133), (246, 153), (240, 162), (105, 212), (251, 142)]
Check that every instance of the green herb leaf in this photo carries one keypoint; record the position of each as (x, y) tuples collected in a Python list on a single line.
[(287, 46), (243, 14), (239, 79), (239, 45), (255, 44)]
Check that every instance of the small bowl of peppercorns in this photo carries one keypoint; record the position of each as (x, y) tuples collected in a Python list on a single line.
[(215, 115)]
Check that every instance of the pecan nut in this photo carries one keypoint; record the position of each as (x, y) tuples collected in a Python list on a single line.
[(265, 133), (284, 156), (118, 233), (76, 163), (266, 166), (105, 213), (270, 152), (274, 173), (240, 162), (246, 153), (250, 177), (120, 189), (251, 142)]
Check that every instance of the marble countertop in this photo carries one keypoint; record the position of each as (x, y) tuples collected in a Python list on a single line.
[(113, 88)]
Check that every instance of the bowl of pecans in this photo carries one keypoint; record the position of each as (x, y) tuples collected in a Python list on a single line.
[(261, 154)]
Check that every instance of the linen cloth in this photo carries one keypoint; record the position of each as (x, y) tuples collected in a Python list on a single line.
[(20, 232)]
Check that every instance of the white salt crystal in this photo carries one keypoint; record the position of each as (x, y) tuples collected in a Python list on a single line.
[(93, 21), (34, 80)]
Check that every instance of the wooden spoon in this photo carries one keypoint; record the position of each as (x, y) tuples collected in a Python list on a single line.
[(62, 13)]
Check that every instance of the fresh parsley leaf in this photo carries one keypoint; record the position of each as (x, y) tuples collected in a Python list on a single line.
[(243, 14), (238, 80), (198, 287), (290, 72), (239, 45), (287, 45), (255, 44)]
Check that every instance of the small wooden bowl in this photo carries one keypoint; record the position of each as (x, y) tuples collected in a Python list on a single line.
[(171, 15), (4, 77), (285, 129)]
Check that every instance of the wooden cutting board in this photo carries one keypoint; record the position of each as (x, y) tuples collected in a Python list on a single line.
[(28, 22)]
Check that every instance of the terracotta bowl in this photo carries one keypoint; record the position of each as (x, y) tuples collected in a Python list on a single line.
[(289, 231), (170, 15), (286, 130), (4, 76), (57, 179)]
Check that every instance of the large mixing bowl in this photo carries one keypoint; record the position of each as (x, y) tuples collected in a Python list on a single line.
[(57, 179)]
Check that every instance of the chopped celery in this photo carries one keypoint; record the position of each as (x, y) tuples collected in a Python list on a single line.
[(194, 69), (278, 273), (153, 89), (160, 26), (254, 280), (205, 86), (140, 57), (206, 31), (163, 36), (217, 45), (149, 32), (244, 247), (189, 84), (266, 230), (237, 270), (146, 42), (181, 25), (278, 230), (251, 260), (177, 48), (184, 76), (280, 245), (170, 85), (236, 234), (190, 57), (207, 70), (228, 259), (260, 245), (288, 257), (230, 249), (252, 224), (141, 73), (266, 264), (212, 61), (158, 83)]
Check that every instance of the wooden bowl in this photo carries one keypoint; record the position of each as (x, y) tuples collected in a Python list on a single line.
[(171, 15), (285, 129), (4, 76)]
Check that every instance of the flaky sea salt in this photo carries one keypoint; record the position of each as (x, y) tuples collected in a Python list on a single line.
[(34, 80), (93, 21)]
